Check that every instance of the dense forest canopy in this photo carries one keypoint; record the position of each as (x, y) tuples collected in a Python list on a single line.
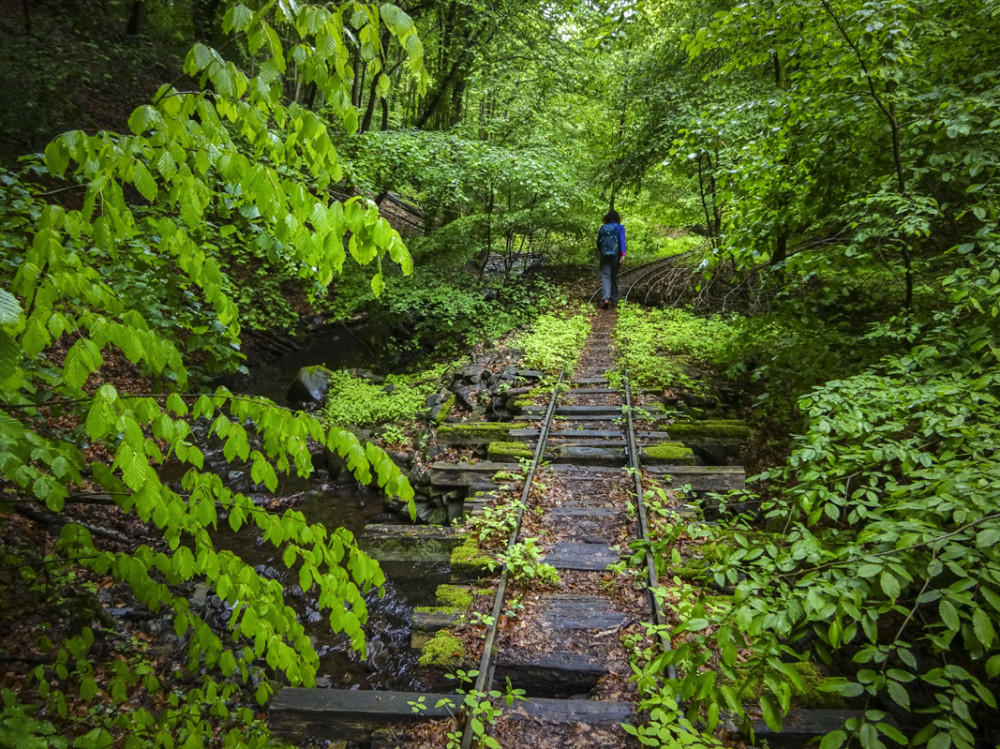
[(176, 174)]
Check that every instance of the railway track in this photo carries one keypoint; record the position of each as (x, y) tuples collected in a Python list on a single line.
[(645, 276), (584, 512), (581, 504)]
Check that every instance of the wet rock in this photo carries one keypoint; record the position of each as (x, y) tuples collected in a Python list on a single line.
[(434, 452), (464, 396), (472, 374), (310, 385), (402, 460), (199, 598), (432, 514), (368, 375), (418, 475), (266, 571)]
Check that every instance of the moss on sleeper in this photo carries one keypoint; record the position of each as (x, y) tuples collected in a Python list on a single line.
[(450, 610), (443, 649), (504, 452), (473, 433), (453, 596), (709, 429), (468, 557), (669, 453)]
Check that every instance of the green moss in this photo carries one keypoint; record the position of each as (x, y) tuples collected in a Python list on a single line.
[(473, 433), (451, 610), (453, 596), (443, 649), (445, 410), (810, 695), (468, 558), (709, 429), (669, 453), (522, 402), (505, 452)]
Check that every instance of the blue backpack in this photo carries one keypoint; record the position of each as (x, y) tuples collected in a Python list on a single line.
[(607, 240)]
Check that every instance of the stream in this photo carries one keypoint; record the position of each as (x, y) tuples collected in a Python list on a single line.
[(390, 663)]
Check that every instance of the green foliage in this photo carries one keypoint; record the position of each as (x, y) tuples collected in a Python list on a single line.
[(524, 562), (888, 502), (446, 316), (660, 347), (119, 277), (495, 523), (554, 343)]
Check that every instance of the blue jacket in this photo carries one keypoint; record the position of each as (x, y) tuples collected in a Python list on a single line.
[(621, 240)]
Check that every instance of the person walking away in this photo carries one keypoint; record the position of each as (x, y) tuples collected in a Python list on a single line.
[(611, 249)]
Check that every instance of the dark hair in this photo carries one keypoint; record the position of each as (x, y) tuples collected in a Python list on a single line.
[(612, 217)]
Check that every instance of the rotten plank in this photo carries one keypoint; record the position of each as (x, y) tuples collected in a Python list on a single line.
[(298, 713), (701, 478), (589, 712), (555, 674), (570, 555)]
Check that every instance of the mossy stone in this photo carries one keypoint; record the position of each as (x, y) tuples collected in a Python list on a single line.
[(453, 596), (507, 452), (443, 649), (473, 433), (445, 409), (669, 453)]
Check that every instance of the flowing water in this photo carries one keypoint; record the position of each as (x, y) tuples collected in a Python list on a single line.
[(389, 663)]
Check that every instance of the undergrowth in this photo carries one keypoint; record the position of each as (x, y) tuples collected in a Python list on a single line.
[(555, 342), (356, 401), (666, 348)]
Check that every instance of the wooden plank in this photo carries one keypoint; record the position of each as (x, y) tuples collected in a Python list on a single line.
[(581, 512), (400, 542), (702, 478), (802, 725), (570, 555), (570, 612), (527, 434), (591, 411), (554, 674), (467, 474), (298, 713), (589, 712), (590, 456)]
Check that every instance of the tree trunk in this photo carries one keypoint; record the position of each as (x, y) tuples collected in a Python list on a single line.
[(136, 17)]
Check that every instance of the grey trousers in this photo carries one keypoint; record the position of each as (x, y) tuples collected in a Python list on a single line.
[(609, 278)]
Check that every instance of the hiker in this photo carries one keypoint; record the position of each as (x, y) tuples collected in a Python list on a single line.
[(611, 250)]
